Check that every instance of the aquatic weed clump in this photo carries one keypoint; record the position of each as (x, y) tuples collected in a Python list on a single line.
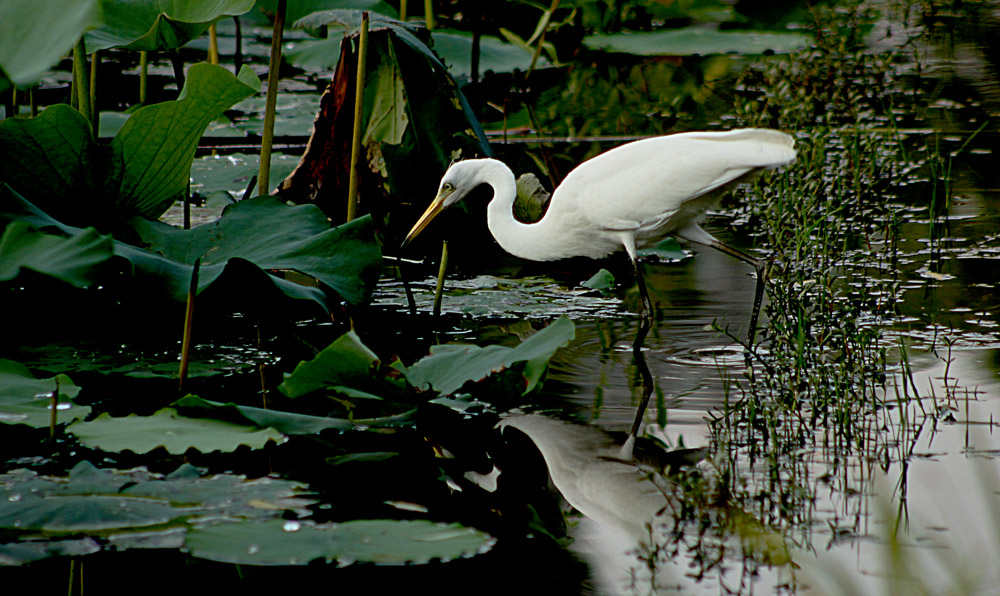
[(814, 402)]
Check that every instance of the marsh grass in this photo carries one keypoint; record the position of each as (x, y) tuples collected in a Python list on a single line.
[(830, 398)]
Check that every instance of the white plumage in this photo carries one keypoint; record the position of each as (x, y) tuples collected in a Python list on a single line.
[(626, 198)]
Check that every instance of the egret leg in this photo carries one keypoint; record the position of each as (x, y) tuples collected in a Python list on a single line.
[(761, 268), (640, 411), (645, 323), (645, 309)]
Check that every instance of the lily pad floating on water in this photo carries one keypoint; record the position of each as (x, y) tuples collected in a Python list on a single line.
[(450, 366), (384, 542), (495, 54), (27, 400), (703, 41), (347, 364), (134, 508), (158, 24), (171, 431)]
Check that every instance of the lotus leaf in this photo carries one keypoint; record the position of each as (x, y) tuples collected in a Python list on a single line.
[(27, 400), (271, 236), (346, 362), (54, 161), (135, 508), (450, 366), (158, 24), (495, 55), (697, 41), (74, 260), (171, 431), (299, 9), (289, 423), (35, 35), (385, 542), (19, 553)]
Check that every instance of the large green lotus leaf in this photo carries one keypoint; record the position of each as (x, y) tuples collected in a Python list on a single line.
[(697, 41), (255, 235), (495, 54), (27, 400), (167, 429), (271, 236), (157, 144), (54, 161), (346, 362), (158, 24), (450, 366), (35, 35), (300, 9), (75, 260), (289, 423), (385, 542)]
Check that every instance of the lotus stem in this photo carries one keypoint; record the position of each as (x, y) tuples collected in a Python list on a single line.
[(439, 290), (541, 38), (187, 206), (213, 45), (15, 107), (80, 80), (429, 13), (270, 105), (238, 53), (177, 62), (263, 384), (95, 117), (188, 324), (402, 10), (359, 102), (54, 415), (32, 103), (143, 75)]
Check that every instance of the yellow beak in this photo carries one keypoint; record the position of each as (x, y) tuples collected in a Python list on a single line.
[(436, 206)]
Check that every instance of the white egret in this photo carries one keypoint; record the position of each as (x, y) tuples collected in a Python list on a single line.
[(629, 197)]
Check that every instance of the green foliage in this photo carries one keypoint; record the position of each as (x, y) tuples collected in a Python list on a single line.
[(54, 161), (455, 49), (133, 508), (35, 35), (384, 542), (347, 365), (76, 259), (174, 433), (27, 400), (289, 423), (267, 235), (158, 24), (451, 366), (697, 41)]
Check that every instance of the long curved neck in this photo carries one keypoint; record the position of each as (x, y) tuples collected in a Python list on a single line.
[(533, 241)]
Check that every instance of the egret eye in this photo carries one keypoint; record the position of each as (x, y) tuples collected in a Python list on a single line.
[(448, 186)]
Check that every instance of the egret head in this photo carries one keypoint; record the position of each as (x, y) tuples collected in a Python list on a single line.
[(461, 177)]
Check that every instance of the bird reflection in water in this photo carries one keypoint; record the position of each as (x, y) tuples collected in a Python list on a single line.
[(650, 524)]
